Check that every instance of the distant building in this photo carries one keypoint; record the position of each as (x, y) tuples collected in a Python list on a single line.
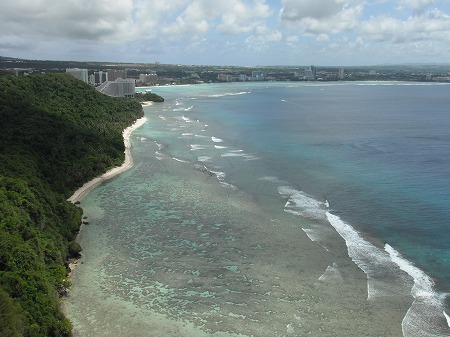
[(100, 77), (22, 71), (225, 77), (242, 77), (341, 73), (114, 74), (81, 74), (258, 75), (148, 78), (118, 88), (311, 73)]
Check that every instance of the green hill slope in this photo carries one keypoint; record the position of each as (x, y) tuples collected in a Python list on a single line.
[(56, 133)]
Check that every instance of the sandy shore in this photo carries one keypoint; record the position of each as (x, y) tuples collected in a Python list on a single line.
[(128, 163)]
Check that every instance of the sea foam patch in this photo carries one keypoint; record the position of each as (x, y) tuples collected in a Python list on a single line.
[(332, 273), (183, 109), (428, 306), (230, 94), (233, 154), (180, 160), (196, 147), (300, 203), (447, 317), (384, 279), (204, 159)]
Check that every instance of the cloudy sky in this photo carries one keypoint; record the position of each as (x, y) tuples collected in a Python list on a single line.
[(228, 32)]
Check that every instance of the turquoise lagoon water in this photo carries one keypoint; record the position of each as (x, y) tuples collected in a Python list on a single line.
[(275, 209)]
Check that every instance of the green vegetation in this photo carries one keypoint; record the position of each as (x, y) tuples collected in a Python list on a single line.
[(56, 133), (148, 96)]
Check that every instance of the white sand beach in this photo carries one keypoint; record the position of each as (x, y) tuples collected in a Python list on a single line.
[(128, 163)]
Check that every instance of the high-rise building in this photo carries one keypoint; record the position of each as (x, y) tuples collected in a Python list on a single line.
[(100, 77), (341, 73), (114, 74), (313, 72), (148, 78), (224, 77), (118, 88), (81, 74)]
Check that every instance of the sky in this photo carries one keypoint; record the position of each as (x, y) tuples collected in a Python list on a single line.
[(228, 32)]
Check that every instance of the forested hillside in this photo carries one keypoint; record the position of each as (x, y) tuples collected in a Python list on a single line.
[(56, 133)]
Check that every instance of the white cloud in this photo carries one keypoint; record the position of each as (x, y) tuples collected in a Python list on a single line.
[(322, 38), (149, 16), (224, 30), (263, 38), (201, 16), (433, 25), (292, 39), (79, 19), (418, 5), (242, 18), (297, 10), (321, 17)]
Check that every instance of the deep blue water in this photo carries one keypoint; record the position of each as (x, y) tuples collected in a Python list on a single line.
[(378, 154)]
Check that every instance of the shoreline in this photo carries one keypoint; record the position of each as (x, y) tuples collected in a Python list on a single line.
[(87, 187), (127, 164)]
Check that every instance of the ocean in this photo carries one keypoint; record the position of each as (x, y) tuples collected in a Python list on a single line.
[(274, 209)]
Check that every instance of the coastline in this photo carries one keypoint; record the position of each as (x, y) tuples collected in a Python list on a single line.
[(128, 163), (332, 281)]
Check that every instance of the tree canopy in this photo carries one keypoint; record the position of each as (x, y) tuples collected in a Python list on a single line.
[(56, 133)]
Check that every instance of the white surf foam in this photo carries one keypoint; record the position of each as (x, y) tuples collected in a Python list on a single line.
[(219, 147), (195, 147), (447, 318), (230, 94), (187, 119), (301, 204), (233, 154), (204, 159), (383, 277), (312, 234), (332, 273), (220, 175), (428, 306), (216, 140), (184, 109), (180, 160), (249, 157)]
